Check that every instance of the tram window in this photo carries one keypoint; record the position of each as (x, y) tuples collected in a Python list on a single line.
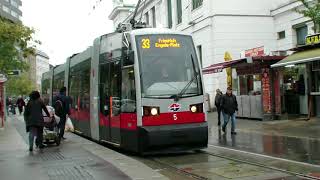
[(58, 82), (79, 89), (128, 91)]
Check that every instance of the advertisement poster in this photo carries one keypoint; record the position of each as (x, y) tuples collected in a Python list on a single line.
[(266, 91), (277, 93)]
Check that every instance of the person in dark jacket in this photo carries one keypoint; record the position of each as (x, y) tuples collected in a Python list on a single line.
[(217, 102), (65, 102), (20, 103), (34, 119), (229, 106)]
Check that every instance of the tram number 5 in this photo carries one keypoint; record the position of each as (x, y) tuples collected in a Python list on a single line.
[(146, 43), (175, 117)]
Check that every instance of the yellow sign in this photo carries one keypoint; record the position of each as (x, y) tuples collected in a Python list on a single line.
[(145, 43), (167, 43), (227, 57), (313, 39)]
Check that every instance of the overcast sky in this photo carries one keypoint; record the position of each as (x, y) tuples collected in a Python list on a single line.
[(66, 27)]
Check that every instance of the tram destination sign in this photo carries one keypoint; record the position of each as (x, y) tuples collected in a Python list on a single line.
[(160, 43), (313, 39)]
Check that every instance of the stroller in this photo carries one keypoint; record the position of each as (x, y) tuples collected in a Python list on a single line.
[(51, 129)]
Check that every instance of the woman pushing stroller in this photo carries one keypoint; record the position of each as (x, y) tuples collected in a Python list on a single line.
[(34, 119)]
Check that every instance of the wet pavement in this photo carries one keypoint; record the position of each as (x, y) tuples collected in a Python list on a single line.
[(294, 140), (205, 166), (227, 157), (75, 158)]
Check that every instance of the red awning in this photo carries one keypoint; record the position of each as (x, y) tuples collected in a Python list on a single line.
[(215, 68)]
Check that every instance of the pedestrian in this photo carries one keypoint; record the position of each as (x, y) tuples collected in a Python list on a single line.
[(229, 106), (20, 103), (217, 102), (61, 104), (7, 105), (34, 119)]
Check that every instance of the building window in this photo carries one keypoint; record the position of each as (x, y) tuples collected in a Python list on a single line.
[(302, 32), (6, 9), (169, 14), (14, 14), (196, 4), (154, 21), (14, 4), (199, 48), (179, 12), (281, 35), (147, 18)]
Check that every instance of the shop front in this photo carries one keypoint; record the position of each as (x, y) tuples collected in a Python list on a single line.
[(253, 85), (300, 81)]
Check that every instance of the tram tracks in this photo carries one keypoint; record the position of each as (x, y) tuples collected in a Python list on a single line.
[(300, 175), (178, 170), (191, 175)]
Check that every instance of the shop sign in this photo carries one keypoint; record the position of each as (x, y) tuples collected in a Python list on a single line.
[(266, 91), (211, 71), (313, 39), (259, 51)]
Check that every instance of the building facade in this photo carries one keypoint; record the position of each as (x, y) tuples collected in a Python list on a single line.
[(10, 9), (42, 66), (225, 26)]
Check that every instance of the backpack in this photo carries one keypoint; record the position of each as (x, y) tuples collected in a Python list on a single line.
[(58, 107)]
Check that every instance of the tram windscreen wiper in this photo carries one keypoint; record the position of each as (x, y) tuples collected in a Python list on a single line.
[(184, 90)]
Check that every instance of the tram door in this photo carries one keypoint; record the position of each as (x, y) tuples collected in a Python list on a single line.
[(110, 86)]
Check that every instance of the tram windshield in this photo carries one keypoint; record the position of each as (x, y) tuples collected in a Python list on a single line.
[(168, 66)]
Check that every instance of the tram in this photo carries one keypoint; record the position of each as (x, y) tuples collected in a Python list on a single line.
[(139, 90)]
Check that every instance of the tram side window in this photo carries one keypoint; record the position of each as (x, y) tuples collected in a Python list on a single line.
[(74, 87), (85, 87), (58, 83), (79, 89), (128, 91), (45, 90)]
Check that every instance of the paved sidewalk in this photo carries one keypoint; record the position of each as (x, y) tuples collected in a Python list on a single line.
[(76, 158)]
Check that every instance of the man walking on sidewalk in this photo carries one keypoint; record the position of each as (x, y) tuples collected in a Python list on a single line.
[(229, 106)]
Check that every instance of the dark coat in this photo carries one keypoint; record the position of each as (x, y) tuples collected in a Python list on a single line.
[(65, 102), (20, 102), (229, 104), (33, 113), (217, 100)]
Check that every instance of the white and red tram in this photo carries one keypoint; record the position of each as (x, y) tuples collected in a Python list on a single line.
[(139, 90)]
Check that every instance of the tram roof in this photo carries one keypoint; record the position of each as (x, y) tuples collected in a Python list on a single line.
[(156, 31)]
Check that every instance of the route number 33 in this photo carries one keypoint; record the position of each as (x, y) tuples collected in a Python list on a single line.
[(146, 43)]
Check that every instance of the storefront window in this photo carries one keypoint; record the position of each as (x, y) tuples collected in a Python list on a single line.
[(294, 89), (250, 84), (317, 81), (316, 72)]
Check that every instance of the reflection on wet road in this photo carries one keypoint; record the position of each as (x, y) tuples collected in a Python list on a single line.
[(292, 148)]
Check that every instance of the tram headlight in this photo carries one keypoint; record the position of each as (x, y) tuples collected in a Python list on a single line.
[(150, 111), (196, 108), (154, 111), (193, 109)]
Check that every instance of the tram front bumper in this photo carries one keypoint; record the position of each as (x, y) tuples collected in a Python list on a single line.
[(173, 138)]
